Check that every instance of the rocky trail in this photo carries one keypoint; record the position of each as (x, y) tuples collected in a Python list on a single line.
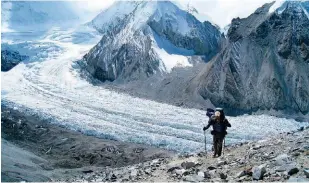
[(282, 158)]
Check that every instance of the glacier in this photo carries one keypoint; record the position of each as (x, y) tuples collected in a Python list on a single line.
[(53, 89), (50, 85)]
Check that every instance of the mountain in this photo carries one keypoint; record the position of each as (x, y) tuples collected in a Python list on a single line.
[(10, 59), (142, 38), (265, 63)]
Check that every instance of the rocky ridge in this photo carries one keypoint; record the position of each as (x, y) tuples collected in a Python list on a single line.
[(281, 158), (265, 63), (263, 66), (10, 59)]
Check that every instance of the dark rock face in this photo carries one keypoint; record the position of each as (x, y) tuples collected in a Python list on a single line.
[(129, 61), (10, 59), (126, 51), (203, 39), (265, 63)]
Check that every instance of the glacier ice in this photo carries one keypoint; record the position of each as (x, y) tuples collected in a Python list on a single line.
[(51, 88)]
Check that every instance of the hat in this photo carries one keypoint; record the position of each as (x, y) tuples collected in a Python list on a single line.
[(219, 109)]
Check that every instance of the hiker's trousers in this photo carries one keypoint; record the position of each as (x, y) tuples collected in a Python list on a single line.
[(218, 141)]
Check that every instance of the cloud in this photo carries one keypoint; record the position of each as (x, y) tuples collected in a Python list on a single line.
[(220, 12)]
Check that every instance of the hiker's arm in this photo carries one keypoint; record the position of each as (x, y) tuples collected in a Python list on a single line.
[(206, 127), (227, 123)]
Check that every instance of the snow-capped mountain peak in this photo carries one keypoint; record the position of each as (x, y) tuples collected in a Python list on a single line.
[(140, 28), (297, 6), (138, 13)]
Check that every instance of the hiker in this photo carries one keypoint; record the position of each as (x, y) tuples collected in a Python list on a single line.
[(219, 124)]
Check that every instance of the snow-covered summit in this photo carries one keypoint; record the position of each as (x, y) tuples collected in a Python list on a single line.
[(280, 5), (111, 16), (140, 13), (142, 38)]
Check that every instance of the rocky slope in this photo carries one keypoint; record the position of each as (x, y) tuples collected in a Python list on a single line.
[(143, 38), (35, 150), (265, 63), (280, 158), (262, 66), (10, 59)]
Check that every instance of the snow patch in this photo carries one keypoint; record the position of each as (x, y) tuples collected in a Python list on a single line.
[(140, 12), (171, 60), (276, 5), (305, 11), (225, 29), (116, 12), (165, 44), (170, 55)]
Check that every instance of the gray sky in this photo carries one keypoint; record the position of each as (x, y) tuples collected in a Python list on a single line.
[(220, 12)]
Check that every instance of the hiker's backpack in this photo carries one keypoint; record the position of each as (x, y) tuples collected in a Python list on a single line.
[(210, 112)]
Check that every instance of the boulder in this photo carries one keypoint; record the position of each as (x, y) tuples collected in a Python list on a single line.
[(113, 177), (212, 173), (188, 165), (220, 163), (223, 175), (211, 168), (201, 174), (147, 171), (289, 168), (292, 169), (285, 175), (283, 159), (193, 178), (172, 168), (258, 172), (207, 175), (180, 171)]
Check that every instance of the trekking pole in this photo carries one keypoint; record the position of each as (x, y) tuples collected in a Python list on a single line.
[(223, 146), (205, 142)]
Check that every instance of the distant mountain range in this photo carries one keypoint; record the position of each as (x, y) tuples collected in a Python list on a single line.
[(156, 50), (262, 63)]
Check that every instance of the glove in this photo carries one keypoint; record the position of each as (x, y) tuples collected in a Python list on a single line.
[(204, 128)]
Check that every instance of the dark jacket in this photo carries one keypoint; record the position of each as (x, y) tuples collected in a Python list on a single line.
[(218, 127)]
